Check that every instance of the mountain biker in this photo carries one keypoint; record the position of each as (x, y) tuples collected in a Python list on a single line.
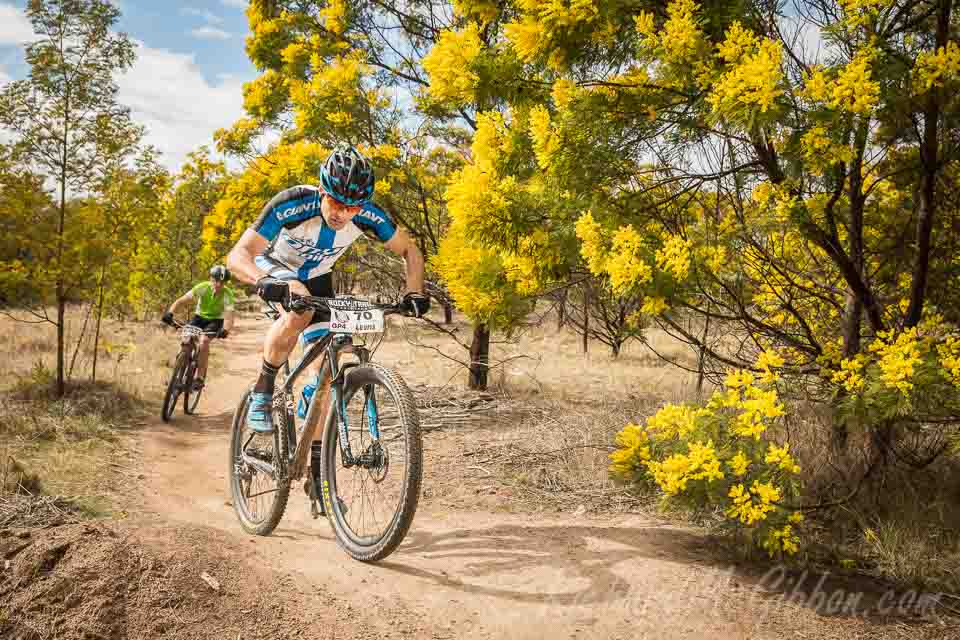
[(214, 314), (292, 248)]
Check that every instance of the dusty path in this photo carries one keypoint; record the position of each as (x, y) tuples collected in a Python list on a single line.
[(482, 575)]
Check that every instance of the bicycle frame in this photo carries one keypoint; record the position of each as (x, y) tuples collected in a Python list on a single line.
[(329, 348), (191, 344)]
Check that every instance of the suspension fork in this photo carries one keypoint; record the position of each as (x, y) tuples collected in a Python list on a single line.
[(342, 344)]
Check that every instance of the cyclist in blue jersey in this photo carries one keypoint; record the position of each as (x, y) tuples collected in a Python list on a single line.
[(294, 244)]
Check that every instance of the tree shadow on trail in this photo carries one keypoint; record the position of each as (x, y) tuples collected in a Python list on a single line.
[(607, 564), (494, 553)]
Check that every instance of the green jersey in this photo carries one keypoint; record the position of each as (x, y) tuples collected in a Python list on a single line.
[(210, 306)]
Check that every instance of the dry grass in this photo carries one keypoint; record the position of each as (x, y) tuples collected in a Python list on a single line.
[(541, 454), (541, 361), (132, 356), (565, 466), (544, 444), (904, 527), (76, 446)]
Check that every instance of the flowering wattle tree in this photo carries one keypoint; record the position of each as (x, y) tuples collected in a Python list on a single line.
[(786, 176)]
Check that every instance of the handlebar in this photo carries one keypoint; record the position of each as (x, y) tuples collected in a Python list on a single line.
[(299, 303)]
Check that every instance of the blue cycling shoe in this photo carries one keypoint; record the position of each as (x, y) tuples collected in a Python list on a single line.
[(259, 415)]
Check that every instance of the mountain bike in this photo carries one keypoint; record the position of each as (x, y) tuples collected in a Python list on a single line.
[(184, 372), (371, 463)]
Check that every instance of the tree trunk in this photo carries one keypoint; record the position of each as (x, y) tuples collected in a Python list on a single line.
[(61, 294), (586, 319), (96, 335), (839, 429), (615, 347), (562, 310), (479, 357), (447, 313), (61, 314), (702, 356), (931, 163)]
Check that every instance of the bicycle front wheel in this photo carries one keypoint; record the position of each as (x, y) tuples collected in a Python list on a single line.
[(191, 396), (174, 386), (372, 497), (259, 482)]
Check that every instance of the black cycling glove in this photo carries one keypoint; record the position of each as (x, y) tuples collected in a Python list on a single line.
[(167, 318), (415, 304), (272, 289)]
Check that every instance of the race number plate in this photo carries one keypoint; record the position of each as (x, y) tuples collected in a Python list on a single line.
[(356, 321)]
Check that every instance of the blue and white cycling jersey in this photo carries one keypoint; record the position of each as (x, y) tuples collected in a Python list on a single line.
[(300, 239)]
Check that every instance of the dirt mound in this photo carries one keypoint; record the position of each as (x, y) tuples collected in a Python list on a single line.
[(97, 581)]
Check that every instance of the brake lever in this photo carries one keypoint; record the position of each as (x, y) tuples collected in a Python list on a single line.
[(295, 303)]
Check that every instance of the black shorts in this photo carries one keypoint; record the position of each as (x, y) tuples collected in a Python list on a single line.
[(320, 286), (211, 326)]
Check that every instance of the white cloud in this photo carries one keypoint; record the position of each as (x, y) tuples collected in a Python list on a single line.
[(15, 29), (209, 33), (180, 108), (207, 15), (236, 4)]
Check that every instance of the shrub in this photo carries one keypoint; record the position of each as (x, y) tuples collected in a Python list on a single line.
[(716, 457)]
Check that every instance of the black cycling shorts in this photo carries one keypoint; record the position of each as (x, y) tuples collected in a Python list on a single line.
[(213, 326)]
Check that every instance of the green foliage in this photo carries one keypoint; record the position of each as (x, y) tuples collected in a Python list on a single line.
[(27, 220), (168, 257)]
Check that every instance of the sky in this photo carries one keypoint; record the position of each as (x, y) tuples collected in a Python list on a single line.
[(188, 78)]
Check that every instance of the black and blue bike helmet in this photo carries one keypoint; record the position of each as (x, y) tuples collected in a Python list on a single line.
[(348, 176), (219, 273)]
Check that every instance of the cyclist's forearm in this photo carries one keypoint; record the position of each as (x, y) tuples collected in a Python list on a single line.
[(414, 261), (228, 320), (179, 302), (240, 260), (241, 266)]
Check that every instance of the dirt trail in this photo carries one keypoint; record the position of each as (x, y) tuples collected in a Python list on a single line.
[(474, 574)]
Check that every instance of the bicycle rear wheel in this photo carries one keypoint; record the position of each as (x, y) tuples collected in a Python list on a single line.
[(174, 386), (191, 396), (371, 504), (259, 483)]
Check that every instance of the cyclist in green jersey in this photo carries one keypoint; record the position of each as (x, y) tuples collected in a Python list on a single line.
[(214, 314)]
